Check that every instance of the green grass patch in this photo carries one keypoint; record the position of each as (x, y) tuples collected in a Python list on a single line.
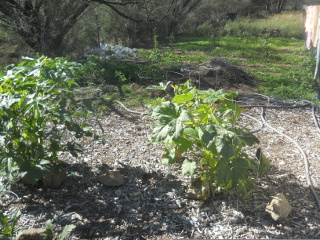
[(283, 65), (287, 24)]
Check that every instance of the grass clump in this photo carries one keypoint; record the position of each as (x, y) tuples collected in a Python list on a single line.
[(287, 25)]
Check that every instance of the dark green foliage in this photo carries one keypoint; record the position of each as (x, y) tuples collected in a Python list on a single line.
[(8, 225), (103, 72), (37, 107)]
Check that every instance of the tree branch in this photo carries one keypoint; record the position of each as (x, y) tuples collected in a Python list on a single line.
[(116, 10)]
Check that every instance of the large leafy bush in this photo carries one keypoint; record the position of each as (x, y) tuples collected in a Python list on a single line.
[(201, 131), (37, 106)]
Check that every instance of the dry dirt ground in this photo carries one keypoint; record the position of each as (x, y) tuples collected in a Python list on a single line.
[(152, 203)]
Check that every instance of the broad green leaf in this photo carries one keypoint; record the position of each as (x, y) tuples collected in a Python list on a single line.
[(191, 132), (240, 174), (181, 98), (49, 231), (225, 142), (166, 112), (244, 186), (209, 159), (169, 157), (66, 231), (31, 174), (199, 132), (161, 86), (264, 163), (3, 218), (184, 144), (213, 96), (188, 167), (162, 133), (205, 114), (208, 137), (212, 160), (230, 173), (247, 139), (88, 104), (225, 146), (170, 118), (223, 171)]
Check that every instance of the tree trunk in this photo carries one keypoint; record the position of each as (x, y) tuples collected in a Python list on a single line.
[(42, 24)]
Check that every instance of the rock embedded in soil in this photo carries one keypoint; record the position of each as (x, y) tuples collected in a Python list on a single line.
[(279, 208), (54, 180), (33, 234), (112, 179)]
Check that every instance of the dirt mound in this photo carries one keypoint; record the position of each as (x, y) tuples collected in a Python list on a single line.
[(218, 73)]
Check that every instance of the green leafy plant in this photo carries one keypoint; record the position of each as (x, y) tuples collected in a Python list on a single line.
[(50, 234), (201, 131), (8, 225), (37, 105), (96, 71)]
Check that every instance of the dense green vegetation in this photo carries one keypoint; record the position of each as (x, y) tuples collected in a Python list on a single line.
[(38, 98), (282, 63), (37, 107), (200, 129)]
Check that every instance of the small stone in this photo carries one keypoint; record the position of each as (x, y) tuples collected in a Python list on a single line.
[(178, 202), (112, 179), (171, 195), (101, 203), (77, 216), (32, 234), (279, 208)]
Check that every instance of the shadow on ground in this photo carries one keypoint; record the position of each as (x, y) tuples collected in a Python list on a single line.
[(148, 205)]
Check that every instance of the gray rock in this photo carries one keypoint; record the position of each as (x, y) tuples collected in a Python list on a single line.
[(279, 208), (112, 179)]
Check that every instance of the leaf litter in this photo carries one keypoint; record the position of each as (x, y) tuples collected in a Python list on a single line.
[(152, 204)]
